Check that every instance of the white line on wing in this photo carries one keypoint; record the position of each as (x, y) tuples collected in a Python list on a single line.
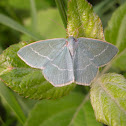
[(99, 53), (41, 54), (61, 68)]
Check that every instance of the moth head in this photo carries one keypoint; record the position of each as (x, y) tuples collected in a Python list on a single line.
[(71, 43)]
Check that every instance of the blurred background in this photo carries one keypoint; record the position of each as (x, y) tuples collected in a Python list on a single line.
[(48, 25)]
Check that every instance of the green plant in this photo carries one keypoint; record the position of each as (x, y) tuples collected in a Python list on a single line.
[(107, 93)]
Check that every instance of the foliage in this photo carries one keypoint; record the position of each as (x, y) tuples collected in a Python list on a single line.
[(72, 110), (107, 93), (51, 18), (82, 21), (115, 33), (108, 97), (9, 97), (105, 9)]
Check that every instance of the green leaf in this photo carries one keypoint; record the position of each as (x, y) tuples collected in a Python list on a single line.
[(115, 33), (9, 97), (15, 25), (72, 110), (25, 80), (82, 21), (108, 98), (49, 24)]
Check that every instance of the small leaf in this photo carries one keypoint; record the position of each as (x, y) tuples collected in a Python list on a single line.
[(72, 110), (108, 98), (115, 33), (9, 97), (25, 80), (82, 21)]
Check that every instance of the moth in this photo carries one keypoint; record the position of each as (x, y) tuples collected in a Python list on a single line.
[(64, 61)]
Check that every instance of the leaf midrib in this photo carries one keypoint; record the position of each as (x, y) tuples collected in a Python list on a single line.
[(78, 108), (112, 98)]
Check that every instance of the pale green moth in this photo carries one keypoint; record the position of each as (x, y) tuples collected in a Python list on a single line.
[(65, 61)]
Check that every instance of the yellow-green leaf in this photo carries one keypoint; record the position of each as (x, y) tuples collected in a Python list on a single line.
[(108, 98), (82, 21)]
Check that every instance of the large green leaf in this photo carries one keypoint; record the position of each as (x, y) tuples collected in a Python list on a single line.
[(115, 33), (9, 97), (108, 98), (72, 110), (49, 24), (82, 21), (25, 80)]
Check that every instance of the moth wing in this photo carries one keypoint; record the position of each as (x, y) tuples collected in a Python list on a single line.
[(99, 52), (39, 53), (91, 54), (59, 72), (84, 70)]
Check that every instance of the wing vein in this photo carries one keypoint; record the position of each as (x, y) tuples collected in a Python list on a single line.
[(99, 53), (41, 54), (61, 68), (85, 67)]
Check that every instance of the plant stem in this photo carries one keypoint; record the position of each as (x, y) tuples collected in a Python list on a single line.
[(61, 7), (34, 15)]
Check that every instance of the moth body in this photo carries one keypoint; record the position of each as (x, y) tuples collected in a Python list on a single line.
[(72, 45)]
